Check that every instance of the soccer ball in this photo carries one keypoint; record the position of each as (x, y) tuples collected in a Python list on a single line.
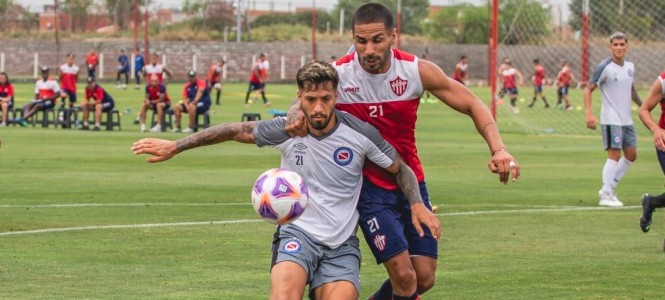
[(279, 196)]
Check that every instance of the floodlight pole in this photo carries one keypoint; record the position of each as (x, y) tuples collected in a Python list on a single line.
[(136, 25), (399, 23), (493, 56), (313, 29), (146, 21), (238, 22), (585, 41)]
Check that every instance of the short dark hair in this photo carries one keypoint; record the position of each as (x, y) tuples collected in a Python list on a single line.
[(372, 13), (6, 76), (462, 57), (536, 61), (316, 73)]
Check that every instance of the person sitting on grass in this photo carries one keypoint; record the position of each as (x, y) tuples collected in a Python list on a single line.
[(47, 92), (97, 99), (196, 100)]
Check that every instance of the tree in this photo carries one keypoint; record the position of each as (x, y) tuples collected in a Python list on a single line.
[(302, 18), (523, 22), (413, 11), (78, 12), (639, 19)]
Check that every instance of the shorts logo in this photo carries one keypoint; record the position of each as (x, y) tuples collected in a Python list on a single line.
[(380, 242), (292, 246), (617, 139), (343, 156), (398, 86)]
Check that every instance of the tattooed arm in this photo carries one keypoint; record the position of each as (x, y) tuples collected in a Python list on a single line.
[(161, 150)]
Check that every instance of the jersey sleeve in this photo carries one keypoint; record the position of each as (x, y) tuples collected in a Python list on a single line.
[(270, 132), (597, 76), (99, 94), (55, 86), (10, 91), (184, 91), (201, 84)]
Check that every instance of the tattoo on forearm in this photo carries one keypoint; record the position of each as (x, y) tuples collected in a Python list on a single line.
[(408, 183), (242, 132)]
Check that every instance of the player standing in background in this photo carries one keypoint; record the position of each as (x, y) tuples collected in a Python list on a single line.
[(511, 77), (614, 76), (319, 248), (6, 97), (157, 69), (68, 74), (139, 62), (564, 79), (505, 63), (195, 100), (656, 96), (123, 68), (383, 86), (214, 78), (256, 80), (460, 70), (538, 78), (92, 61), (97, 100), (46, 95), (155, 98)]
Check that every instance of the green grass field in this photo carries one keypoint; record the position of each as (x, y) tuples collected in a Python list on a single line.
[(185, 229)]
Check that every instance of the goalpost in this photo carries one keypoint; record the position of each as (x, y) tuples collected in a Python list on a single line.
[(577, 32)]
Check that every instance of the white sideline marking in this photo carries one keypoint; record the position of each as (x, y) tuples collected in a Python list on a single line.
[(464, 213), (117, 204)]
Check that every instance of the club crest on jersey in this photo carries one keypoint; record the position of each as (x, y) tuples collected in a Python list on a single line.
[(630, 72), (398, 86), (380, 242), (343, 156), (292, 246)]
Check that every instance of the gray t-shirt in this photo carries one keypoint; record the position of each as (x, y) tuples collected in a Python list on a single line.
[(332, 169)]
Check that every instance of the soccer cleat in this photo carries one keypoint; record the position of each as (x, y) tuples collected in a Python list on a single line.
[(156, 128), (96, 128), (143, 129), (176, 130), (268, 103), (22, 122), (647, 213), (137, 121), (609, 200), (187, 130), (3, 124)]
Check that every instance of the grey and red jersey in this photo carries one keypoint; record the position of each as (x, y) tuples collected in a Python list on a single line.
[(331, 166), (389, 102)]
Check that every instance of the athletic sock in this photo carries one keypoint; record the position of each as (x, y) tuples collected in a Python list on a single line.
[(620, 170), (263, 95), (247, 97), (658, 201), (384, 292), (218, 94), (415, 296), (545, 100), (608, 174)]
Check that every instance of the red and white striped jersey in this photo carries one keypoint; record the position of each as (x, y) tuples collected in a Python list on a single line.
[(157, 69), (46, 88), (389, 101)]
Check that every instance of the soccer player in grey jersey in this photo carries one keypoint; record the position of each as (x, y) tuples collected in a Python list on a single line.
[(320, 248)]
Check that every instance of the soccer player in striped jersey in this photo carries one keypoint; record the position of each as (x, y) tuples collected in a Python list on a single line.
[(257, 79), (6, 97), (538, 78), (382, 86), (511, 79), (564, 79), (614, 76), (68, 74), (157, 69), (460, 70), (320, 248), (655, 97)]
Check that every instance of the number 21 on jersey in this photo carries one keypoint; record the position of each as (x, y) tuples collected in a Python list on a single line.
[(375, 111)]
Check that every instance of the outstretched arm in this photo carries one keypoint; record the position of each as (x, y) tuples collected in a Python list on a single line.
[(461, 99), (161, 150), (652, 100), (420, 214)]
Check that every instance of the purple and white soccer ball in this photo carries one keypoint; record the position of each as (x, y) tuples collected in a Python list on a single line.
[(279, 196)]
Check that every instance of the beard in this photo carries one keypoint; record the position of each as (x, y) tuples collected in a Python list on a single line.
[(318, 124)]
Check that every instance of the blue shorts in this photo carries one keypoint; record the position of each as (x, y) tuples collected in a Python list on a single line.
[(618, 137), (253, 86), (385, 219), (661, 159), (138, 73), (71, 95), (201, 107), (563, 91), (538, 89), (49, 104), (512, 91), (167, 106), (107, 106)]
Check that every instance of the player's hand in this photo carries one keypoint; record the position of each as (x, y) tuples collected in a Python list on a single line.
[(296, 125), (421, 215), (591, 122), (504, 164), (659, 139), (160, 150)]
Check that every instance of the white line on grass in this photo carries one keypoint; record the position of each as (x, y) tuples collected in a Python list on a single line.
[(117, 204), (463, 213)]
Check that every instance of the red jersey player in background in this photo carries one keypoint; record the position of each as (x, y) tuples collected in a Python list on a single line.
[(257, 78), (97, 100), (564, 79), (157, 69), (47, 92), (655, 97), (382, 86), (460, 70), (68, 74), (538, 78), (511, 78), (214, 78), (155, 98), (92, 60), (6, 97)]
